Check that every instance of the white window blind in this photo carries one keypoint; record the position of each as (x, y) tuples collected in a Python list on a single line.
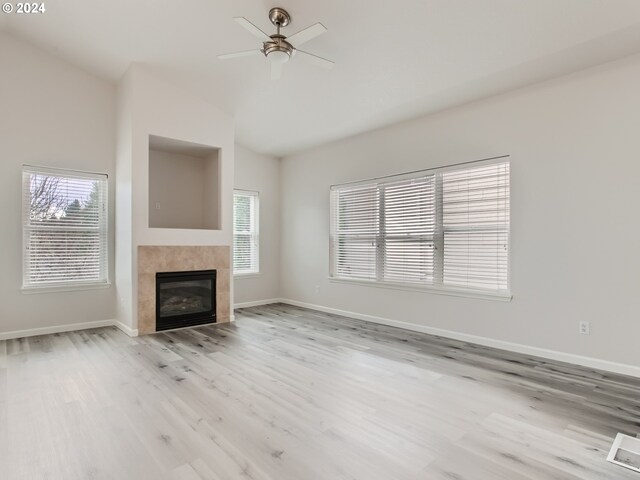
[(245, 232), (444, 229), (65, 223), (407, 229), (356, 225), (476, 227), (384, 232)]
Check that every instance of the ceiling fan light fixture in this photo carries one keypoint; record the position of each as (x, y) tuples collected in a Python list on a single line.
[(278, 56)]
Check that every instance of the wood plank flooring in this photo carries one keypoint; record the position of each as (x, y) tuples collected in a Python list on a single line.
[(288, 393)]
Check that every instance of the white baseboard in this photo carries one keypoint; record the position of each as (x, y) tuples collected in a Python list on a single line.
[(589, 362), (132, 332), (256, 303), (32, 332)]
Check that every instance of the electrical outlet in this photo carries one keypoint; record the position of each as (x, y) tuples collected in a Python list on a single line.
[(317, 288), (585, 328), (157, 205)]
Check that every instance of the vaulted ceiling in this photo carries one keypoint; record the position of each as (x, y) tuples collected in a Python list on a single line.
[(395, 60)]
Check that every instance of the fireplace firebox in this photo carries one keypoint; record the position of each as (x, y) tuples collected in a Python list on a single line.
[(185, 299)]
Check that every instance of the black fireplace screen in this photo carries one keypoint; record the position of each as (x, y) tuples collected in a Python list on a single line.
[(184, 299)]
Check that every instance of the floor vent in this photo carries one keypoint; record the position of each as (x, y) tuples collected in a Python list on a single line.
[(625, 452)]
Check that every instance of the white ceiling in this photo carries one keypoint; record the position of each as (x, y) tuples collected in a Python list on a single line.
[(395, 60)]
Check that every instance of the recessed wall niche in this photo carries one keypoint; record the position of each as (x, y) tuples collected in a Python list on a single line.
[(184, 185)]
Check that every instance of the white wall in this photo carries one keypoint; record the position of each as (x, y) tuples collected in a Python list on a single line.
[(211, 186), (166, 110), (55, 115), (575, 152), (124, 206), (262, 174)]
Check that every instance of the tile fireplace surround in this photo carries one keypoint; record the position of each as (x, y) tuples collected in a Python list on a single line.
[(153, 259)]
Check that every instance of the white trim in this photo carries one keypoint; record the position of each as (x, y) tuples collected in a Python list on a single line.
[(31, 290), (590, 362), (499, 297), (414, 173), (257, 303), (238, 276), (126, 329), (70, 172), (32, 332), (71, 327)]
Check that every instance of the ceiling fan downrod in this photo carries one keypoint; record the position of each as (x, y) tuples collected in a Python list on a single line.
[(279, 17)]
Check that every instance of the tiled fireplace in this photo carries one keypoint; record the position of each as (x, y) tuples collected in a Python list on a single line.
[(153, 260)]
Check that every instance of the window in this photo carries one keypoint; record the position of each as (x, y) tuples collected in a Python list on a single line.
[(245, 232), (65, 234), (445, 229)]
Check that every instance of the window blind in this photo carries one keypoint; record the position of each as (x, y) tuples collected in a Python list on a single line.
[(357, 222), (245, 232), (384, 231), (443, 228), (65, 224), (406, 236), (476, 227)]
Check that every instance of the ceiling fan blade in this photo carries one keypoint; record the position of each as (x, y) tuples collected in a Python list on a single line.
[(246, 53), (316, 60), (307, 34), (276, 70), (252, 29)]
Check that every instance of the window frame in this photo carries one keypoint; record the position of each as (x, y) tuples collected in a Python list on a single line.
[(255, 235), (437, 286), (29, 287)]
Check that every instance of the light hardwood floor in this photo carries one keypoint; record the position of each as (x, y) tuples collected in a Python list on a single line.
[(288, 393)]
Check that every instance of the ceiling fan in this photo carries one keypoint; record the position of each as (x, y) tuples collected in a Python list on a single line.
[(277, 48)]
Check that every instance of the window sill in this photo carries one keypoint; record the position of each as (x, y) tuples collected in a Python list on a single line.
[(438, 291), (246, 275), (64, 288)]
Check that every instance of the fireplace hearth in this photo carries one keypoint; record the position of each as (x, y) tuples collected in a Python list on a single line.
[(185, 299)]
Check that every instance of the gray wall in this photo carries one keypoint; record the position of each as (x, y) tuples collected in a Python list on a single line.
[(58, 116), (575, 153), (262, 174)]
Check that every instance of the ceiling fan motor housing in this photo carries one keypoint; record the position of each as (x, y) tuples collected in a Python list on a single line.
[(278, 44)]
